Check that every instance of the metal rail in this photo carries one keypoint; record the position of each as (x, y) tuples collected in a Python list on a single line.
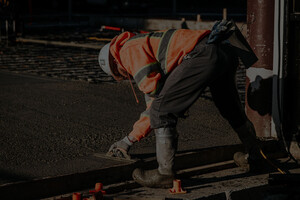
[(58, 43)]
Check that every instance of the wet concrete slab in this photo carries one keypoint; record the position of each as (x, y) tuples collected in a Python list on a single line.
[(45, 121), (52, 119), (217, 181), (57, 108)]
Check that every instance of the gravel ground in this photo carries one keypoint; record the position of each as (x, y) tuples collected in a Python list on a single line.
[(51, 113)]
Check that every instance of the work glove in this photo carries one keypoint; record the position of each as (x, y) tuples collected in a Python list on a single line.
[(220, 32), (120, 148)]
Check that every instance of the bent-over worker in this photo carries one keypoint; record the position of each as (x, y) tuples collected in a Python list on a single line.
[(172, 68)]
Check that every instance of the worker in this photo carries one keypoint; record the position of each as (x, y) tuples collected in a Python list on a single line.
[(172, 68)]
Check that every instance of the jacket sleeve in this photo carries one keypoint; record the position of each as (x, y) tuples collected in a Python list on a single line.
[(141, 128)]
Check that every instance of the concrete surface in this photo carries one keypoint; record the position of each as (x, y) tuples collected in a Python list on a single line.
[(73, 177), (218, 181), (57, 108), (228, 184), (47, 122), (205, 185)]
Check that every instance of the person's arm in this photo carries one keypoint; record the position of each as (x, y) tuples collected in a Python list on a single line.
[(145, 70), (136, 60), (141, 128)]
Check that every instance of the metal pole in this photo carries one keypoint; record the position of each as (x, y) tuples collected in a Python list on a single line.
[(260, 19), (14, 26), (6, 28), (278, 66)]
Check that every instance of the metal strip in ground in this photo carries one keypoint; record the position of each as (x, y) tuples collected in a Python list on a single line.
[(58, 43)]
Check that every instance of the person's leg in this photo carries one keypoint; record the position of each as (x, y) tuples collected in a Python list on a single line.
[(224, 91), (181, 89), (166, 146), (227, 100)]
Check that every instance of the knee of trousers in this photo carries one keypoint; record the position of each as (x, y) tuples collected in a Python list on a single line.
[(160, 119)]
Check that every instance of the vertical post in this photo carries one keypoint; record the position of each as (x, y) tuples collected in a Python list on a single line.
[(280, 54), (6, 27), (260, 20), (14, 26), (225, 13), (199, 18)]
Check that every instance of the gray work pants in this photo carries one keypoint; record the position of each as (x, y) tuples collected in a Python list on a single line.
[(207, 65)]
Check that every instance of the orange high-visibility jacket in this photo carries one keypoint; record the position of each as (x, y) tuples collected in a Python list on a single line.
[(148, 58)]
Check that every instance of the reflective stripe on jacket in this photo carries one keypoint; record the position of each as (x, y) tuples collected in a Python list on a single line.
[(149, 58)]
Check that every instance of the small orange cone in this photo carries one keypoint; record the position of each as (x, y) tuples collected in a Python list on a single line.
[(98, 188), (177, 187), (76, 196)]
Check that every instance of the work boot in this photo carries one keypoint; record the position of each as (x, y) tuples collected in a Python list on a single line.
[(166, 146), (244, 161), (152, 178), (252, 160)]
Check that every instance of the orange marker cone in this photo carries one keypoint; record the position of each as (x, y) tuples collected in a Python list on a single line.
[(177, 187), (76, 196), (98, 188)]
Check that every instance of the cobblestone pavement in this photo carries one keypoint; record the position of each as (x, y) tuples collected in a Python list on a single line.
[(53, 61), (68, 63)]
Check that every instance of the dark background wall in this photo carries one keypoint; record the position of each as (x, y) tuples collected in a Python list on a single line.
[(168, 8)]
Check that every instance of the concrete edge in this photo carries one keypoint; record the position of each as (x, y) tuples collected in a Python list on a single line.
[(53, 186), (128, 185)]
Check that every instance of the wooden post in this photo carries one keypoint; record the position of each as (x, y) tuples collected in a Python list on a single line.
[(199, 18), (225, 13)]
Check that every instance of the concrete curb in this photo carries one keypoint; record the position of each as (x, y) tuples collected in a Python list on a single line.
[(52, 186)]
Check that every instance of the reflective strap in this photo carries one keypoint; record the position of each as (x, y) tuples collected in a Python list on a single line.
[(146, 113), (147, 98), (163, 49), (145, 71), (151, 34)]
